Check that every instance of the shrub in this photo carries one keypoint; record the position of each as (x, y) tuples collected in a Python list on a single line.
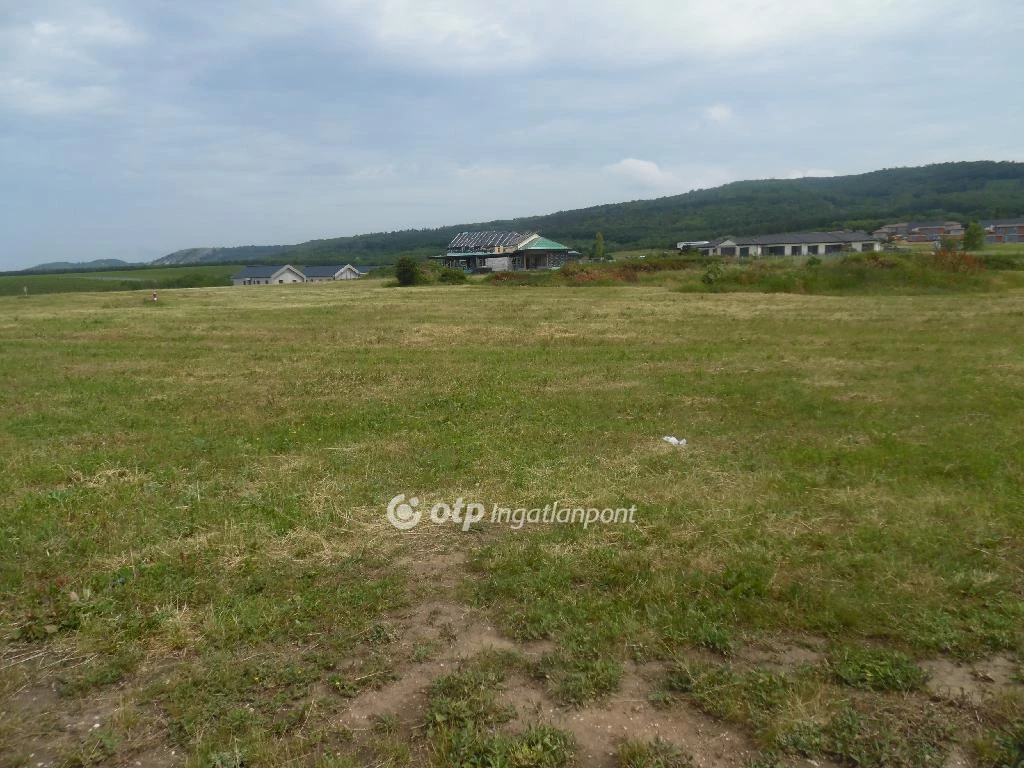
[(712, 274), (1002, 261), (955, 260), (407, 270), (451, 276)]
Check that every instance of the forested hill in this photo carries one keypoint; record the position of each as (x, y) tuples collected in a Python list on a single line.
[(961, 191)]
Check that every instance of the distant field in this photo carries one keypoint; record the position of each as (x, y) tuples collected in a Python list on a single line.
[(118, 280), (196, 568)]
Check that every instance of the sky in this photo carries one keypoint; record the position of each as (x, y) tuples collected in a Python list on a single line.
[(133, 128)]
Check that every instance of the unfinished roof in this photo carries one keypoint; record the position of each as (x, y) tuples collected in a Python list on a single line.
[(486, 241)]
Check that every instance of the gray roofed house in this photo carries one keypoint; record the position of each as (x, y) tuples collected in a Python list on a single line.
[(321, 274), (263, 274), (1004, 230), (791, 244), (920, 231)]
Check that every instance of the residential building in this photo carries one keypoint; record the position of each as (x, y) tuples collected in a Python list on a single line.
[(791, 244), (321, 274), (504, 252), (920, 231), (259, 274), (1004, 231)]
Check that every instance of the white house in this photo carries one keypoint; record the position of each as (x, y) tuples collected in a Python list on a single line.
[(792, 244), (259, 274), (320, 274)]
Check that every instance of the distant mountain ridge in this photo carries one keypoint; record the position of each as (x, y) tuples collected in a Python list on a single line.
[(215, 255), (962, 191), (81, 266)]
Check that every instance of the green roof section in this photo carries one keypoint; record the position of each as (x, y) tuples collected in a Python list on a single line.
[(453, 254), (543, 244)]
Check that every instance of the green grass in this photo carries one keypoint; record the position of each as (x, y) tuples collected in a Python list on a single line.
[(654, 754), (876, 670), (849, 274), (156, 278), (462, 722), (193, 493)]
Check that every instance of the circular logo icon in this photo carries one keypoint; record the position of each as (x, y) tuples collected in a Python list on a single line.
[(403, 515)]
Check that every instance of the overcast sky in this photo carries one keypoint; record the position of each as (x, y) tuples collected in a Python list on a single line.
[(132, 128)]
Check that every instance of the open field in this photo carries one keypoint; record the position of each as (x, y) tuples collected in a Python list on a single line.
[(197, 570), (118, 279)]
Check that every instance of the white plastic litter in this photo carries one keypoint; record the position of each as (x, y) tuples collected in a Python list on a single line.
[(674, 440)]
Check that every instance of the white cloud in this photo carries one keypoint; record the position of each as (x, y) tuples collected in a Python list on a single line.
[(251, 121), (463, 35), (374, 173), (36, 97), (718, 113), (487, 173), (57, 64), (644, 173)]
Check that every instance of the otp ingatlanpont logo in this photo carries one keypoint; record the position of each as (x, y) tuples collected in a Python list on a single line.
[(404, 516)]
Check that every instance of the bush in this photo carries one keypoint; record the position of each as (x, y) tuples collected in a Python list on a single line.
[(712, 274), (521, 278), (955, 260), (451, 276), (1002, 261), (407, 270)]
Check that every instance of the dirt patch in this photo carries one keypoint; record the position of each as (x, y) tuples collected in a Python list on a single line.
[(629, 714), (405, 698), (782, 655), (33, 700), (975, 682), (449, 633), (956, 759), (453, 633), (51, 730)]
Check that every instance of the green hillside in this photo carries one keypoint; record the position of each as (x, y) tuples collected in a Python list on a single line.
[(965, 190)]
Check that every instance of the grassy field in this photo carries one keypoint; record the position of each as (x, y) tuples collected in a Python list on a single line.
[(118, 280), (197, 569)]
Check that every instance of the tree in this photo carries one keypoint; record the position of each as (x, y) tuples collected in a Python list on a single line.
[(408, 271), (599, 247), (974, 237)]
